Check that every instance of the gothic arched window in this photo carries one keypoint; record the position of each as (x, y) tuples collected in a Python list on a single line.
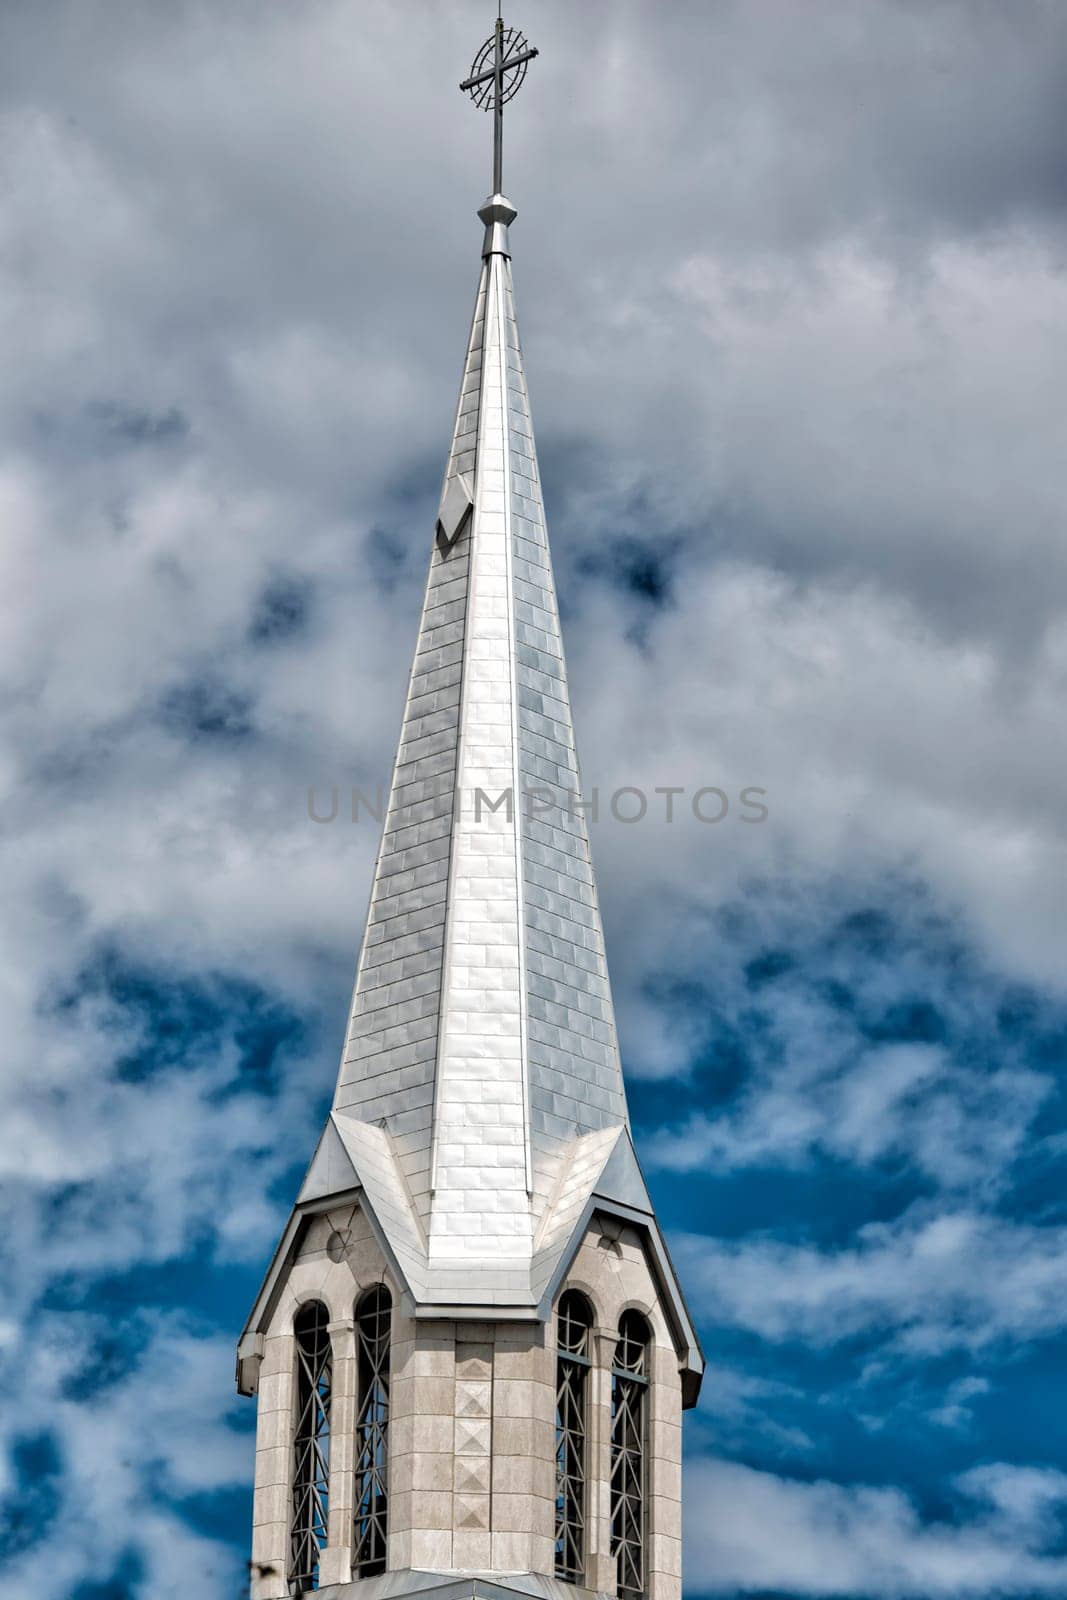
[(311, 1446), (373, 1323), (629, 1449), (573, 1327)]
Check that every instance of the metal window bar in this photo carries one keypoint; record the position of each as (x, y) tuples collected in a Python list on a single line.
[(373, 1325), (311, 1448), (629, 1467), (572, 1371)]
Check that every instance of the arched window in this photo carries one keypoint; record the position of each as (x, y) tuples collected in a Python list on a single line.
[(629, 1450), (572, 1377), (311, 1447), (373, 1323)]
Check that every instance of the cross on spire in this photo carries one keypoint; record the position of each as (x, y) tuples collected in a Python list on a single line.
[(495, 78)]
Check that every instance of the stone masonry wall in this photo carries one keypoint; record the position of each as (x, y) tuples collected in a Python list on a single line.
[(472, 1424)]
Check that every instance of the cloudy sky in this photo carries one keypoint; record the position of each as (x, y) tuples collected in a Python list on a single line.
[(792, 286)]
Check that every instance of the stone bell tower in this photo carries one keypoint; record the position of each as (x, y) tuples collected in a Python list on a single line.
[(471, 1353)]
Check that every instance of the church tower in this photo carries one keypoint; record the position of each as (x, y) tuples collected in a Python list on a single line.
[(471, 1353)]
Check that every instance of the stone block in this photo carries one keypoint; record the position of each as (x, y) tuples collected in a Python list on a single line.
[(273, 1429), (473, 1397), (521, 1360), (602, 1572), (543, 1398), (473, 1474), (402, 1397), (431, 1471), (398, 1549), (666, 1522), (432, 1396), (474, 1360), (431, 1359), (521, 1436), (666, 1440), (434, 1433), (342, 1447), (402, 1359), (664, 1586), (667, 1406), (278, 1355), (665, 1368), (401, 1508), (474, 1333), (268, 1543), (272, 1466), (516, 1474), (335, 1565), (542, 1553), (666, 1556), (339, 1523), (472, 1511), (604, 1342), (276, 1392), (545, 1477), (513, 1397), (401, 1434), (442, 1328), (431, 1549), (516, 1513), (364, 1264), (343, 1341), (666, 1479), (473, 1437), (431, 1508), (472, 1550), (511, 1552), (271, 1504), (272, 1585)]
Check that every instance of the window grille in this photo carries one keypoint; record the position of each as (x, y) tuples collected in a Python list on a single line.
[(572, 1376), (311, 1447), (373, 1325), (629, 1450)]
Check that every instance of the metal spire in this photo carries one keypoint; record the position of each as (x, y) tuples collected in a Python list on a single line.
[(495, 78), (479, 1119), (480, 1088)]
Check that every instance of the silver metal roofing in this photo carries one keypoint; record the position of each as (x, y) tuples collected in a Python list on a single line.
[(480, 1107), (482, 1037)]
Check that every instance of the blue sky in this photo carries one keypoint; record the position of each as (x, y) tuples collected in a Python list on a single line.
[(791, 286)]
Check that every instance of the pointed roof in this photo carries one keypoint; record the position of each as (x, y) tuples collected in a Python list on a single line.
[(482, 1036), (480, 1106)]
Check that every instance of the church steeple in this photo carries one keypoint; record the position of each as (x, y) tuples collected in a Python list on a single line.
[(478, 1143), (482, 1036)]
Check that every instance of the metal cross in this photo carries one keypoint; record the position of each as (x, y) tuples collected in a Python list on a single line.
[(497, 73)]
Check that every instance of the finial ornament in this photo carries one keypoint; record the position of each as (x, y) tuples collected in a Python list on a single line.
[(495, 78)]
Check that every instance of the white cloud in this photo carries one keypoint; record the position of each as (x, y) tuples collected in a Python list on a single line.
[(160, 1434), (753, 1531), (737, 1406), (1029, 1501), (927, 1283), (955, 1410), (959, 1125), (874, 738)]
